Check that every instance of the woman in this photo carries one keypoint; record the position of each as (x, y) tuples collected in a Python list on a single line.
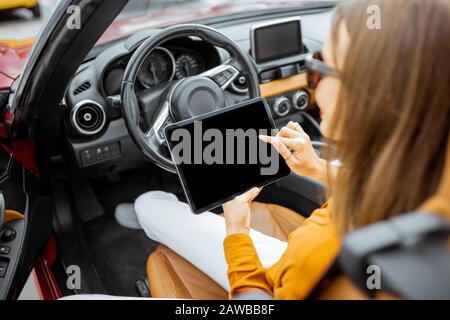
[(385, 102)]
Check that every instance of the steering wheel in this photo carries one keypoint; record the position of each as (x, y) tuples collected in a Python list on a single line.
[(182, 99)]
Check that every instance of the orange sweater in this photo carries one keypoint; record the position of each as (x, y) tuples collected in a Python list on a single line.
[(311, 249)]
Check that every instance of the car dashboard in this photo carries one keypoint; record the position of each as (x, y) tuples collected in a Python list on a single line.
[(96, 138), (175, 60)]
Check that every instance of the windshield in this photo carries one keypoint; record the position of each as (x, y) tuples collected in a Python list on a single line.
[(19, 25), (138, 15)]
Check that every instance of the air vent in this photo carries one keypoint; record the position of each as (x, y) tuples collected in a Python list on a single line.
[(82, 87), (88, 117)]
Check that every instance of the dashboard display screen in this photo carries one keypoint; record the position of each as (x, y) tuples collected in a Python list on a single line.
[(276, 41)]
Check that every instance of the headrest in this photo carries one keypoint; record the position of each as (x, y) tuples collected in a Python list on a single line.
[(440, 202)]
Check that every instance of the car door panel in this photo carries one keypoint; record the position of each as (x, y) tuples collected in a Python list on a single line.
[(30, 132)]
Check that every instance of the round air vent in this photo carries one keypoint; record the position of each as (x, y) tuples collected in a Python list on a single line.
[(300, 100), (88, 117)]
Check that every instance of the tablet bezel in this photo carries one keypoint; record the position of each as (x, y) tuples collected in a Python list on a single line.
[(181, 176)]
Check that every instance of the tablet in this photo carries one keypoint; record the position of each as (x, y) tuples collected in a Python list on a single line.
[(218, 155)]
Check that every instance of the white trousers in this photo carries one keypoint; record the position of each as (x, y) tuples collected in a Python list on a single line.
[(197, 238)]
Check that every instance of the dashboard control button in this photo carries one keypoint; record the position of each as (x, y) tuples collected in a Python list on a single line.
[(86, 156), (8, 235), (3, 268), (161, 133), (115, 149), (286, 71), (300, 100), (222, 78), (300, 67), (114, 101), (281, 106), (239, 85), (266, 76), (4, 249), (105, 152), (99, 153)]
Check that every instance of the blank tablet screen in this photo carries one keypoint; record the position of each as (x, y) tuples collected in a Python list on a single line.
[(219, 155)]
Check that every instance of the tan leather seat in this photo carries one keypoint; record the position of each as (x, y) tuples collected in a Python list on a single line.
[(172, 276)]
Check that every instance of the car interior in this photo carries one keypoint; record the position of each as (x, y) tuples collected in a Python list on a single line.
[(106, 167), (102, 144)]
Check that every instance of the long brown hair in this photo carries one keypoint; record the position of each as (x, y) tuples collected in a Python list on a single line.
[(393, 110)]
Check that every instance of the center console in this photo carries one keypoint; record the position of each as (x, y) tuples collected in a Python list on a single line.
[(278, 51)]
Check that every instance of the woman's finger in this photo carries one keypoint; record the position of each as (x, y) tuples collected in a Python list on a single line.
[(278, 145), (296, 144), (288, 133), (250, 194), (295, 126)]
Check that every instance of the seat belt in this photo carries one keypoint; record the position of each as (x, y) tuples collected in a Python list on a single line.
[(411, 253)]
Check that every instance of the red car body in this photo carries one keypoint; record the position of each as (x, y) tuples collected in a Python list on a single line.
[(12, 59)]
